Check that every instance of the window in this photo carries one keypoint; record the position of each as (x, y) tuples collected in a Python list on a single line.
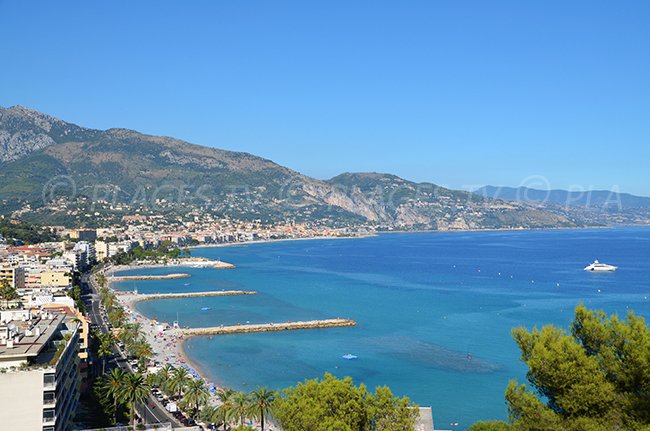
[(49, 380)]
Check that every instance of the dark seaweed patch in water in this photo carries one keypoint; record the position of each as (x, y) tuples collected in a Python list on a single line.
[(433, 356)]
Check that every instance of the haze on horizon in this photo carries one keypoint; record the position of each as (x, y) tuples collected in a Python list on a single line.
[(462, 94)]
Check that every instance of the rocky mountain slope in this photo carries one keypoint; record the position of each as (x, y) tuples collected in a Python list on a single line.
[(47, 163)]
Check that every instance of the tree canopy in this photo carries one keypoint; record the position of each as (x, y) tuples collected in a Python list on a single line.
[(595, 377), (333, 404)]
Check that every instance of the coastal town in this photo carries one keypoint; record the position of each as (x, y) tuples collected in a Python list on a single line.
[(325, 216), (65, 333), (54, 316)]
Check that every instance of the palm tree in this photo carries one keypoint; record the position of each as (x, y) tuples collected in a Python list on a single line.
[(134, 391), (225, 410), (107, 297), (111, 386), (163, 375), (261, 400), (240, 406), (142, 350), (196, 394), (179, 379), (7, 292), (130, 333), (101, 279), (116, 316), (209, 413), (105, 344)]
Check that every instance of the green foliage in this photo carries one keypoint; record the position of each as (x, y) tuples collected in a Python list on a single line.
[(104, 342), (196, 395), (134, 390), (7, 292), (179, 379), (595, 378), (490, 426), (261, 401), (23, 231), (333, 404), (163, 252), (109, 389), (75, 293)]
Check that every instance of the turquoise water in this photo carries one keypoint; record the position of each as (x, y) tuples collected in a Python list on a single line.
[(423, 302)]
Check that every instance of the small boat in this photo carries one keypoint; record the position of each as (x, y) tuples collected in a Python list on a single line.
[(349, 356), (600, 267), (186, 284), (205, 308)]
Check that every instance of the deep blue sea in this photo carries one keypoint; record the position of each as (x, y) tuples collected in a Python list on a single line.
[(425, 303)]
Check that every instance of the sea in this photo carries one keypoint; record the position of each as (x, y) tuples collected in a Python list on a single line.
[(435, 310)]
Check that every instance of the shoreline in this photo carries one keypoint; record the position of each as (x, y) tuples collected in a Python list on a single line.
[(386, 232), (170, 347), (193, 263), (180, 355), (268, 241)]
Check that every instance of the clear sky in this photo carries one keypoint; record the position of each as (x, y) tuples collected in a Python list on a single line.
[(459, 93)]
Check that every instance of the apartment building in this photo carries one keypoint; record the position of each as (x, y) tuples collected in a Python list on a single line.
[(14, 274), (39, 376)]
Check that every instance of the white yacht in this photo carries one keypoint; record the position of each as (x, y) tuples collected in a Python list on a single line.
[(600, 267)]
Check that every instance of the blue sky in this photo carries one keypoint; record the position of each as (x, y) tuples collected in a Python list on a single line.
[(459, 93)]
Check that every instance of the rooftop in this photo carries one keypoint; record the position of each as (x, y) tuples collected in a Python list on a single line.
[(33, 336)]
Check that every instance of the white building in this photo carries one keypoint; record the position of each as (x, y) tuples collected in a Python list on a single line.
[(38, 370)]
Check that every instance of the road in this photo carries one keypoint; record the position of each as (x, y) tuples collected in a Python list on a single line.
[(158, 412)]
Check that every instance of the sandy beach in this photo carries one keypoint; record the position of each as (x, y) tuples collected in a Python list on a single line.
[(167, 343)]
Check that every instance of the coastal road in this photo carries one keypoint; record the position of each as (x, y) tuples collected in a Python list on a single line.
[(157, 414)]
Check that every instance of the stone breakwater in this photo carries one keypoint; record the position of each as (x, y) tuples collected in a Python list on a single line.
[(268, 327), (203, 263), (147, 296), (149, 277)]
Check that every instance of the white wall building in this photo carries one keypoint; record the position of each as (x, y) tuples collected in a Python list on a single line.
[(38, 370)]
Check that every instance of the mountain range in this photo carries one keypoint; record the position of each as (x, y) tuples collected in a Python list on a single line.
[(604, 200), (52, 171)]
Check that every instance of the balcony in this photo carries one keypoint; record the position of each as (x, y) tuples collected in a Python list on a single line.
[(49, 381), (49, 418), (49, 399)]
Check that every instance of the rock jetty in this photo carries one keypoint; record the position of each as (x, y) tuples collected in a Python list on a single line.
[(149, 277), (269, 327), (147, 296)]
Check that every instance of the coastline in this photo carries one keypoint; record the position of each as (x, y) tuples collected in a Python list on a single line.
[(194, 262), (385, 232), (268, 241), (168, 346), (180, 347)]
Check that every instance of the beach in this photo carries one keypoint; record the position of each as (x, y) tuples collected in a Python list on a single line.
[(423, 302), (167, 342)]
